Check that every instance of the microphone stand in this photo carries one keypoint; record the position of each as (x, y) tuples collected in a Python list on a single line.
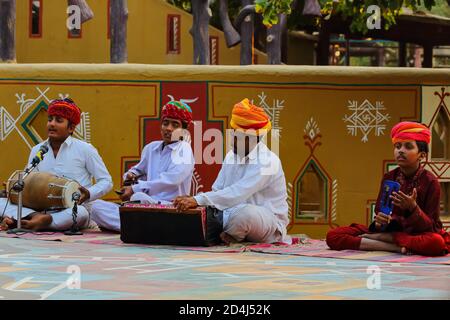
[(74, 231), (18, 186)]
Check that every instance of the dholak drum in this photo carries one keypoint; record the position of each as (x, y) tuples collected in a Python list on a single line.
[(44, 191), (159, 224)]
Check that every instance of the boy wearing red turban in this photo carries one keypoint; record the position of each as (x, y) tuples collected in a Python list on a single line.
[(159, 177), (67, 157), (414, 225)]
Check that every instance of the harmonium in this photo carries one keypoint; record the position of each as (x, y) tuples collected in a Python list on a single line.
[(162, 224)]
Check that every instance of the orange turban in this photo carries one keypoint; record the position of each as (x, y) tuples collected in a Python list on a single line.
[(247, 116), (407, 131)]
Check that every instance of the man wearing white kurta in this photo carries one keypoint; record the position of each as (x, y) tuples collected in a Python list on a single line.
[(250, 188), (166, 165), (73, 159)]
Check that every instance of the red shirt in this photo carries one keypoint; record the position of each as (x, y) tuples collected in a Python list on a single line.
[(425, 218)]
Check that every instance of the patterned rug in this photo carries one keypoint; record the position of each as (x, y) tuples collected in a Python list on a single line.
[(319, 248), (95, 236), (302, 247)]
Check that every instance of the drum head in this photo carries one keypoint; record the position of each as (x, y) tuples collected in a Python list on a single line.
[(71, 188)]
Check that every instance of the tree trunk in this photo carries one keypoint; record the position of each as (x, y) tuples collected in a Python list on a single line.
[(402, 54), (200, 31), (86, 12), (274, 40), (323, 46), (8, 30), (347, 50), (244, 22), (284, 41), (381, 58), (232, 37), (119, 17), (427, 56)]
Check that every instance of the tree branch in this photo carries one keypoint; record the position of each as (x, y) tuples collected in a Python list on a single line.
[(8, 30), (245, 11), (232, 37), (119, 18)]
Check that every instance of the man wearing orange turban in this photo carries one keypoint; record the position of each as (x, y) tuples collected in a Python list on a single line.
[(413, 226), (250, 189), (249, 118)]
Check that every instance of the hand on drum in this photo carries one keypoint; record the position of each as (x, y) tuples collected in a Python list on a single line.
[(184, 203), (127, 193), (85, 195)]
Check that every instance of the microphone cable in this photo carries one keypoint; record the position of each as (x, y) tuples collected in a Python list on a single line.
[(7, 203)]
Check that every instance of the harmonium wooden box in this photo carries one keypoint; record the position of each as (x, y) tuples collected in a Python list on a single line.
[(162, 224)]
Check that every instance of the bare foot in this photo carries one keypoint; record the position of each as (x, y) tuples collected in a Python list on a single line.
[(406, 252), (227, 238), (373, 236), (8, 223), (38, 222)]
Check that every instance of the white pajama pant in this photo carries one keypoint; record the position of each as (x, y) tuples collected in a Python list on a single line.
[(62, 220), (106, 214), (248, 222)]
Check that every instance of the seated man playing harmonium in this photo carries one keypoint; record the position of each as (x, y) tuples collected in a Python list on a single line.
[(250, 189)]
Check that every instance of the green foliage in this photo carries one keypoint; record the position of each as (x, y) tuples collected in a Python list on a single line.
[(356, 10), (184, 4), (442, 8), (270, 9)]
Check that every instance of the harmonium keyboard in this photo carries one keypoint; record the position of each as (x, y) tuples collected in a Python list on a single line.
[(162, 224)]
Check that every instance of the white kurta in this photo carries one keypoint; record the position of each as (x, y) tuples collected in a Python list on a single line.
[(257, 180), (168, 173), (76, 160)]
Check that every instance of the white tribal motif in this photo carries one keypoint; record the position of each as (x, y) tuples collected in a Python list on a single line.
[(365, 118)]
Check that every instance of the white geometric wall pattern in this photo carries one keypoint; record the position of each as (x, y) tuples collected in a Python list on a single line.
[(28, 107), (273, 110), (366, 118)]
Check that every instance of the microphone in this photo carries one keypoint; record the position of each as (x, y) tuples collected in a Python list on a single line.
[(39, 155)]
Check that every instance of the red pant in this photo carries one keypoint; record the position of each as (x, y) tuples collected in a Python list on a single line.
[(427, 244)]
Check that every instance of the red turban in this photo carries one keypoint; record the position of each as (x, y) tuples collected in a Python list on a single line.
[(407, 131), (66, 109), (177, 110), (247, 116)]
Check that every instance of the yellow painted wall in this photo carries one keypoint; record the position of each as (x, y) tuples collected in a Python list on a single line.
[(147, 24), (301, 50), (121, 102)]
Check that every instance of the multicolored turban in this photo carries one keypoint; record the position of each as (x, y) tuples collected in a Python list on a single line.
[(177, 110), (66, 109), (247, 116), (407, 131)]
